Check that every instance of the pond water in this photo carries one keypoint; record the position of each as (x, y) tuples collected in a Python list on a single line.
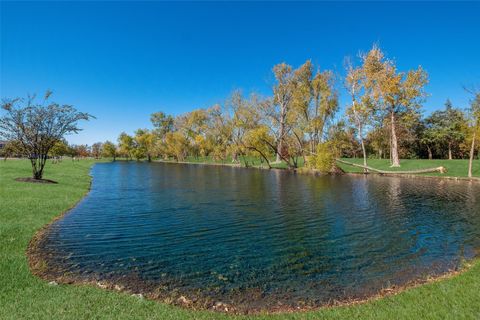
[(259, 239)]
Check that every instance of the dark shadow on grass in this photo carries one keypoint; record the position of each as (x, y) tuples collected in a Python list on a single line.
[(32, 180)]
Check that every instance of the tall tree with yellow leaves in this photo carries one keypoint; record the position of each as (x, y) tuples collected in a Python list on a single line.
[(393, 92)]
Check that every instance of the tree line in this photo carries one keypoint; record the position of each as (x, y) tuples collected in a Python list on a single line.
[(301, 124)]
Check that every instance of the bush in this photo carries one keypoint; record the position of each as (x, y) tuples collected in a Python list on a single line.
[(323, 160)]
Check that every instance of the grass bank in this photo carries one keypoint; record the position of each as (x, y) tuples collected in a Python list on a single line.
[(455, 168), (25, 208)]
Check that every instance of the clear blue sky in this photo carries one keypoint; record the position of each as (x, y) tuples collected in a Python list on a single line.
[(122, 61)]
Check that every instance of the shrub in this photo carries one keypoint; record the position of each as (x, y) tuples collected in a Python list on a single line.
[(324, 159)]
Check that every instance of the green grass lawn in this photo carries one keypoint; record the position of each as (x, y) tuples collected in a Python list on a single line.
[(455, 168), (25, 208)]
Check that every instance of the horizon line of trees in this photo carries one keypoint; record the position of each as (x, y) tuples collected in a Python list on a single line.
[(300, 122), (445, 134)]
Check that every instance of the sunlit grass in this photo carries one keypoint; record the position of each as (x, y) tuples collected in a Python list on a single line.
[(455, 168)]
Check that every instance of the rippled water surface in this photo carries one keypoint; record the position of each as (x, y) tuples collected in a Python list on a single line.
[(263, 239)]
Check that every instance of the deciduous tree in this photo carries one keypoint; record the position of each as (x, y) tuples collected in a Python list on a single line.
[(126, 145), (393, 92), (38, 126), (97, 150), (281, 106), (448, 127), (109, 150), (144, 144), (60, 149), (474, 127), (163, 123), (360, 111)]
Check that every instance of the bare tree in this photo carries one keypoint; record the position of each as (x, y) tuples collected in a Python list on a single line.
[(38, 127)]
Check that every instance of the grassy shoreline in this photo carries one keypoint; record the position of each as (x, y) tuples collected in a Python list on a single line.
[(456, 169), (26, 208)]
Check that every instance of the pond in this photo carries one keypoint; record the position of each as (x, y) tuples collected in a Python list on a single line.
[(261, 240)]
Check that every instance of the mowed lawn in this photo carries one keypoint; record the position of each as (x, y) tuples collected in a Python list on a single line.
[(25, 208), (455, 168)]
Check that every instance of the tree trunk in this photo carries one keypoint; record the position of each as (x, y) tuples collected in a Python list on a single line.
[(395, 158), (37, 167), (37, 174), (430, 156), (280, 146), (449, 151), (281, 133), (365, 170), (390, 147), (311, 143), (295, 161), (472, 152), (262, 155), (437, 169)]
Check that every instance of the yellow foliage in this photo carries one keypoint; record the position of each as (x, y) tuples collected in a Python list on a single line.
[(324, 159)]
